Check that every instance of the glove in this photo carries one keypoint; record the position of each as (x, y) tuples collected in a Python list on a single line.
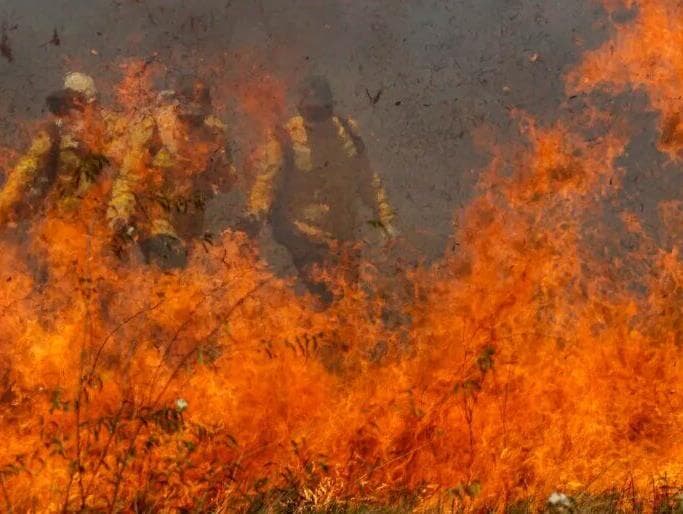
[(249, 224), (166, 251), (123, 229)]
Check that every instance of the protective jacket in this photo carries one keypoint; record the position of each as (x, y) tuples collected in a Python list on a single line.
[(169, 171), (59, 167), (309, 179)]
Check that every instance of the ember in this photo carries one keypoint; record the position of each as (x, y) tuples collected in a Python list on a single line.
[(215, 300)]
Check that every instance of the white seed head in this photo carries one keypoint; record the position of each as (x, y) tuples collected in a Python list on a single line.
[(559, 500), (181, 404)]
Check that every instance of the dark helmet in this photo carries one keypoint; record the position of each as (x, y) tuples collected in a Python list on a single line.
[(195, 97), (194, 90), (316, 102)]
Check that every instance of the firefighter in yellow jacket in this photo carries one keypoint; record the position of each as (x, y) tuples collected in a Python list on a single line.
[(309, 178), (177, 159), (66, 156)]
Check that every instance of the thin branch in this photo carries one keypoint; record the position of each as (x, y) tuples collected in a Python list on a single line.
[(119, 327), (122, 466), (5, 494), (187, 355)]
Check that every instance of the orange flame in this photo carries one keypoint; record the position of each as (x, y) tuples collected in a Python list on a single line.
[(529, 363), (644, 54)]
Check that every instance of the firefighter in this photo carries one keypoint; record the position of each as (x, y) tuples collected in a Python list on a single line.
[(309, 177), (65, 157), (178, 158)]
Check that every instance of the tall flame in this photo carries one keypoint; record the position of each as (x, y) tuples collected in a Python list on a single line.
[(532, 361)]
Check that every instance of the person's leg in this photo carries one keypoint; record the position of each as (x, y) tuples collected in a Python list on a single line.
[(348, 260), (306, 256)]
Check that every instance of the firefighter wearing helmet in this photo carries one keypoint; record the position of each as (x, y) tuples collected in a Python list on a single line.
[(309, 177), (64, 158), (178, 159)]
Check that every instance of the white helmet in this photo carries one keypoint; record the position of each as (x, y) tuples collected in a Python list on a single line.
[(81, 83)]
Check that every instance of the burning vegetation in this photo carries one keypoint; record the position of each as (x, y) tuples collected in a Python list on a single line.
[(147, 365)]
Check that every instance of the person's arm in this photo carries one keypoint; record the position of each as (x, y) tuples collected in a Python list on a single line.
[(24, 174), (383, 208), (122, 204), (371, 189), (375, 197), (267, 165), (222, 172)]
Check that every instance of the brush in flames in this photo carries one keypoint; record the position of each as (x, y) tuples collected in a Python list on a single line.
[(539, 358)]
